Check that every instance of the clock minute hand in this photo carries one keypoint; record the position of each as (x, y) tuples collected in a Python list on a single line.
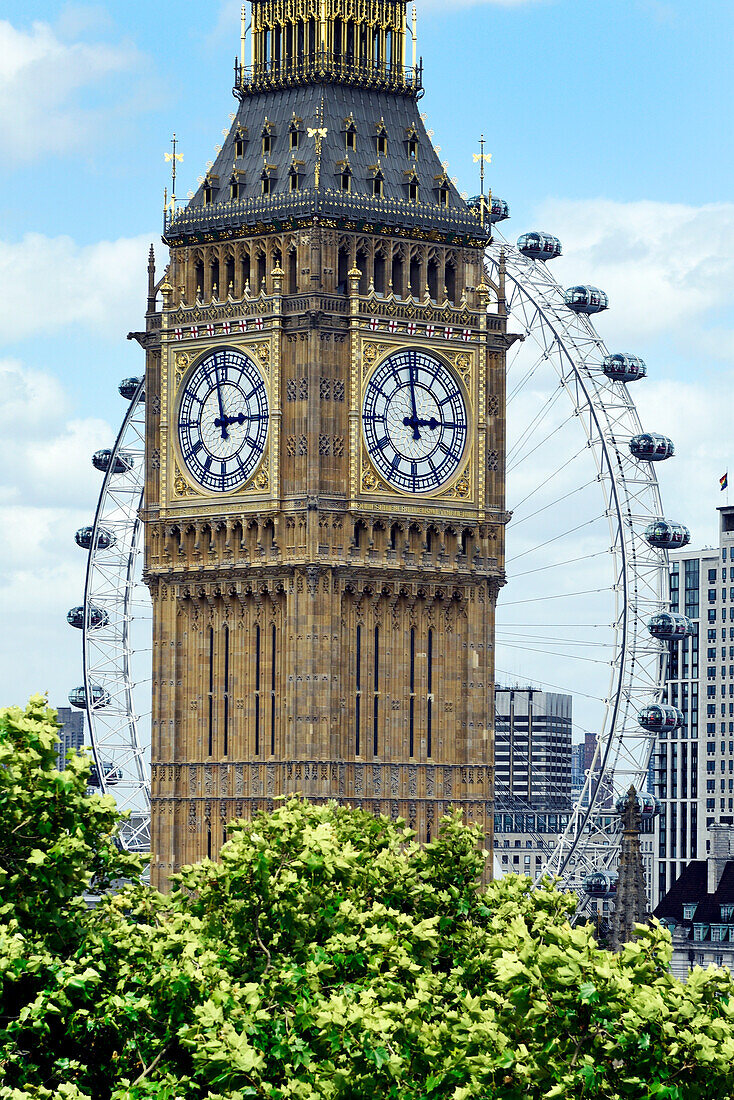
[(414, 419), (222, 422)]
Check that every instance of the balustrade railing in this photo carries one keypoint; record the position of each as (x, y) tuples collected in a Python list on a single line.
[(327, 201), (321, 67)]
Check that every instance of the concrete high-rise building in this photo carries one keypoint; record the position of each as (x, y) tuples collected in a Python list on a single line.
[(72, 733), (694, 766), (533, 746), (533, 776)]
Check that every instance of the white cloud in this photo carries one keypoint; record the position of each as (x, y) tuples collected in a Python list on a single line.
[(45, 90), (669, 273), (48, 488), (666, 267), (102, 285)]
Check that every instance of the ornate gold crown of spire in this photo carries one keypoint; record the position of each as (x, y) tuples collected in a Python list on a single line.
[(359, 42)]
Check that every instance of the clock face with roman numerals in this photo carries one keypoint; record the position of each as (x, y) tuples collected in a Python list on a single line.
[(415, 421), (223, 420)]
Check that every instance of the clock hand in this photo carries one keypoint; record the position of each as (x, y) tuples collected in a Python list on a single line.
[(414, 419), (222, 423), (415, 423)]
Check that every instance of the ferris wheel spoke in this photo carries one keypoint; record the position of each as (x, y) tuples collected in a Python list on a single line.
[(557, 538)]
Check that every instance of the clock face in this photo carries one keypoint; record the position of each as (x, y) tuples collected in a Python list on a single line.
[(415, 421), (223, 420)]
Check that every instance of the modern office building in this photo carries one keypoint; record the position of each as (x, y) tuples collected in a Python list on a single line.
[(694, 766), (71, 734), (533, 746), (533, 788)]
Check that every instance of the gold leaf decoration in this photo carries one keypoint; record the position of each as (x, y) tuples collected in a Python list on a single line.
[(370, 482)]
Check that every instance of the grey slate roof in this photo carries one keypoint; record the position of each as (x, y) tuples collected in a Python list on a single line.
[(329, 106)]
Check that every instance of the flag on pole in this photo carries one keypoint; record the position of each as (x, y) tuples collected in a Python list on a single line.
[(724, 481)]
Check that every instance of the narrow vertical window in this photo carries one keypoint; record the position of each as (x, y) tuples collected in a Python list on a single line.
[(209, 842), (211, 690), (257, 691), (272, 693), (358, 700), (412, 693), (430, 695), (376, 711), (226, 690)]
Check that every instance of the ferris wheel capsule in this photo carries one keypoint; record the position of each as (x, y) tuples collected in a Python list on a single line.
[(540, 246), (650, 447), (669, 626), (601, 885), (100, 698), (112, 775), (658, 718), (96, 617), (647, 805), (85, 538), (500, 210), (624, 368), (667, 536), (586, 299), (121, 463), (129, 387)]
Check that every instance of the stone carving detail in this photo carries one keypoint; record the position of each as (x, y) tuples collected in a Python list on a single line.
[(493, 460), (290, 446), (338, 447), (240, 781), (394, 780), (302, 445), (181, 364), (193, 827), (493, 405), (271, 780), (370, 354), (412, 780), (291, 392), (325, 389), (181, 487), (448, 784), (339, 390), (359, 779), (303, 389), (325, 445), (377, 779), (261, 480), (430, 783), (208, 782), (192, 780)]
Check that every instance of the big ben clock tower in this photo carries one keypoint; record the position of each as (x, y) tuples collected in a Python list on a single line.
[(325, 444)]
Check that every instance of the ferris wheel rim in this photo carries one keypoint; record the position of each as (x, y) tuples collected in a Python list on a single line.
[(571, 844), (117, 571)]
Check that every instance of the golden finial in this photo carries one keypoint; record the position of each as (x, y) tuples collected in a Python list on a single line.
[(482, 158), (173, 158)]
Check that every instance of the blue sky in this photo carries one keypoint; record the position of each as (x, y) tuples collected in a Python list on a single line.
[(609, 124)]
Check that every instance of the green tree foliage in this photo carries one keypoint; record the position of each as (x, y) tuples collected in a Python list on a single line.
[(328, 956)]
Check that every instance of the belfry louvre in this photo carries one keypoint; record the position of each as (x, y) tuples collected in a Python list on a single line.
[(324, 508)]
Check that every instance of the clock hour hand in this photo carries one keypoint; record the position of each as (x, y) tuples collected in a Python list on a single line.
[(227, 420), (415, 423)]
